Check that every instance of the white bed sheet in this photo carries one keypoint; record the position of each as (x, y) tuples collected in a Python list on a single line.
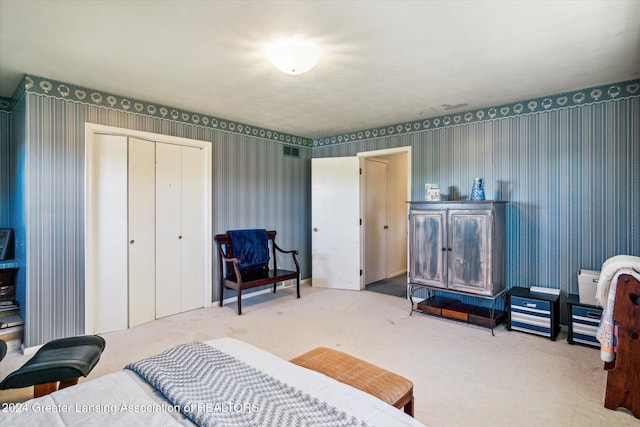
[(123, 398)]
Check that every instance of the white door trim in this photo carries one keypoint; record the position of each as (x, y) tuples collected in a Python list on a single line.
[(375, 153), (91, 129)]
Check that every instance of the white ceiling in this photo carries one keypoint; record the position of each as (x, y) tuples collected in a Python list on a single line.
[(383, 62)]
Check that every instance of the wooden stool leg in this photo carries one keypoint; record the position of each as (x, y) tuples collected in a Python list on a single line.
[(408, 408), (67, 383), (40, 390)]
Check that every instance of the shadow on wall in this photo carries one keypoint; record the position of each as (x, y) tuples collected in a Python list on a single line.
[(454, 194)]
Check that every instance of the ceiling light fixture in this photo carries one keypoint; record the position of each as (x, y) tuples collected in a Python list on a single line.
[(293, 55)]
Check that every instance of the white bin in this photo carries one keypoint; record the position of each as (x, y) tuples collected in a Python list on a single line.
[(587, 284)]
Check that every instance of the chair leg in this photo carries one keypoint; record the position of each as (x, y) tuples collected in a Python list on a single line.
[(221, 293), (67, 383), (239, 302), (40, 390), (298, 286)]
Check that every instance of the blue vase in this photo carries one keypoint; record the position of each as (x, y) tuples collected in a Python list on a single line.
[(477, 191)]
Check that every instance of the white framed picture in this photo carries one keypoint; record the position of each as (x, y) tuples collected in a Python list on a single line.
[(432, 192)]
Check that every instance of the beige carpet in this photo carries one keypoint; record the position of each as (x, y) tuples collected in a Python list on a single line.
[(462, 375)]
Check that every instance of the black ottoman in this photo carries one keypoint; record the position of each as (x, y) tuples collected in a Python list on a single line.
[(63, 360)]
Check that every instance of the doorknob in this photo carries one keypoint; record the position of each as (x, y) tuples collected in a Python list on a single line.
[(315, 229), (132, 241), (179, 237), (386, 227)]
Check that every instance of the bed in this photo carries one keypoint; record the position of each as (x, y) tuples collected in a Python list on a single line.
[(125, 398)]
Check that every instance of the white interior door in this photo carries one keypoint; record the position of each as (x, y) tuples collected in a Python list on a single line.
[(107, 256), (375, 220), (142, 231), (168, 229), (335, 219), (192, 249)]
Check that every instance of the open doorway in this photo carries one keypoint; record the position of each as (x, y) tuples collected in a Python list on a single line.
[(337, 215), (384, 195)]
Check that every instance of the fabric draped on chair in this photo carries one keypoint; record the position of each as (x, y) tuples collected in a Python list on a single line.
[(251, 247)]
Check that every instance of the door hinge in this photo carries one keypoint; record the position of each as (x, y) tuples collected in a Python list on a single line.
[(361, 272), (360, 221), (360, 171)]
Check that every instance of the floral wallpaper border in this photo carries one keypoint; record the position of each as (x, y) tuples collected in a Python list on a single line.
[(6, 104), (592, 95), (55, 89)]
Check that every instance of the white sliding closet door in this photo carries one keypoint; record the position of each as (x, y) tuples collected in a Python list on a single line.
[(142, 231), (179, 229), (147, 227), (192, 256), (107, 259), (168, 229)]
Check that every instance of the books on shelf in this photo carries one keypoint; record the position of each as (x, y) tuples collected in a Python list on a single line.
[(11, 333), (11, 321), (6, 307)]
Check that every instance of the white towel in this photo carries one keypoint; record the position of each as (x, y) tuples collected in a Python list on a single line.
[(606, 297), (609, 269)]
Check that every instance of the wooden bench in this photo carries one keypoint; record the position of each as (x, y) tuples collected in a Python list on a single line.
[(385, 385), (234, 277)]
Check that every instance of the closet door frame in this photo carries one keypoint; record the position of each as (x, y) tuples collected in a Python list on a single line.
[(91, 237)]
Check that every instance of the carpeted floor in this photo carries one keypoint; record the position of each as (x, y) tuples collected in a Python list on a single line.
[(462, 375)]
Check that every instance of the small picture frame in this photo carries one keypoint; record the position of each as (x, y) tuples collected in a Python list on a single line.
[(432, 192), (6, 243)]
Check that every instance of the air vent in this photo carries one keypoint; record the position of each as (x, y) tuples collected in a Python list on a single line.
[(291, 151)]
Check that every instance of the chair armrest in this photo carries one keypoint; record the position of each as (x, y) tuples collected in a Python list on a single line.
[(293, 253), (235, 261), (283, 251)]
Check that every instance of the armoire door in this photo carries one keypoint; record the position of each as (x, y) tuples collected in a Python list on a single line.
[(179, 219), (469, 259), (428, 251), (142, 231)]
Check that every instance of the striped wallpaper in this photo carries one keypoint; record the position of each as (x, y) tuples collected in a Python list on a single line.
[(570, 174), (254, 185), (572, 178), (6, 128)]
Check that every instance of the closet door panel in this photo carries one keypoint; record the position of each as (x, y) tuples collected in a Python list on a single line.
[(192, 228), (168, 229), (142, 231), (107, 256)]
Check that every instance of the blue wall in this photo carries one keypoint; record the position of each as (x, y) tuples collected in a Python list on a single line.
[(571, 175), (254, 185), (568, 164)]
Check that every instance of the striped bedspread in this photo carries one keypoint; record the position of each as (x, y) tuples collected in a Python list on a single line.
[(213, 388)]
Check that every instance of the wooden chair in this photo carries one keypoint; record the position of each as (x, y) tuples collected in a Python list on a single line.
[(233, 275)]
